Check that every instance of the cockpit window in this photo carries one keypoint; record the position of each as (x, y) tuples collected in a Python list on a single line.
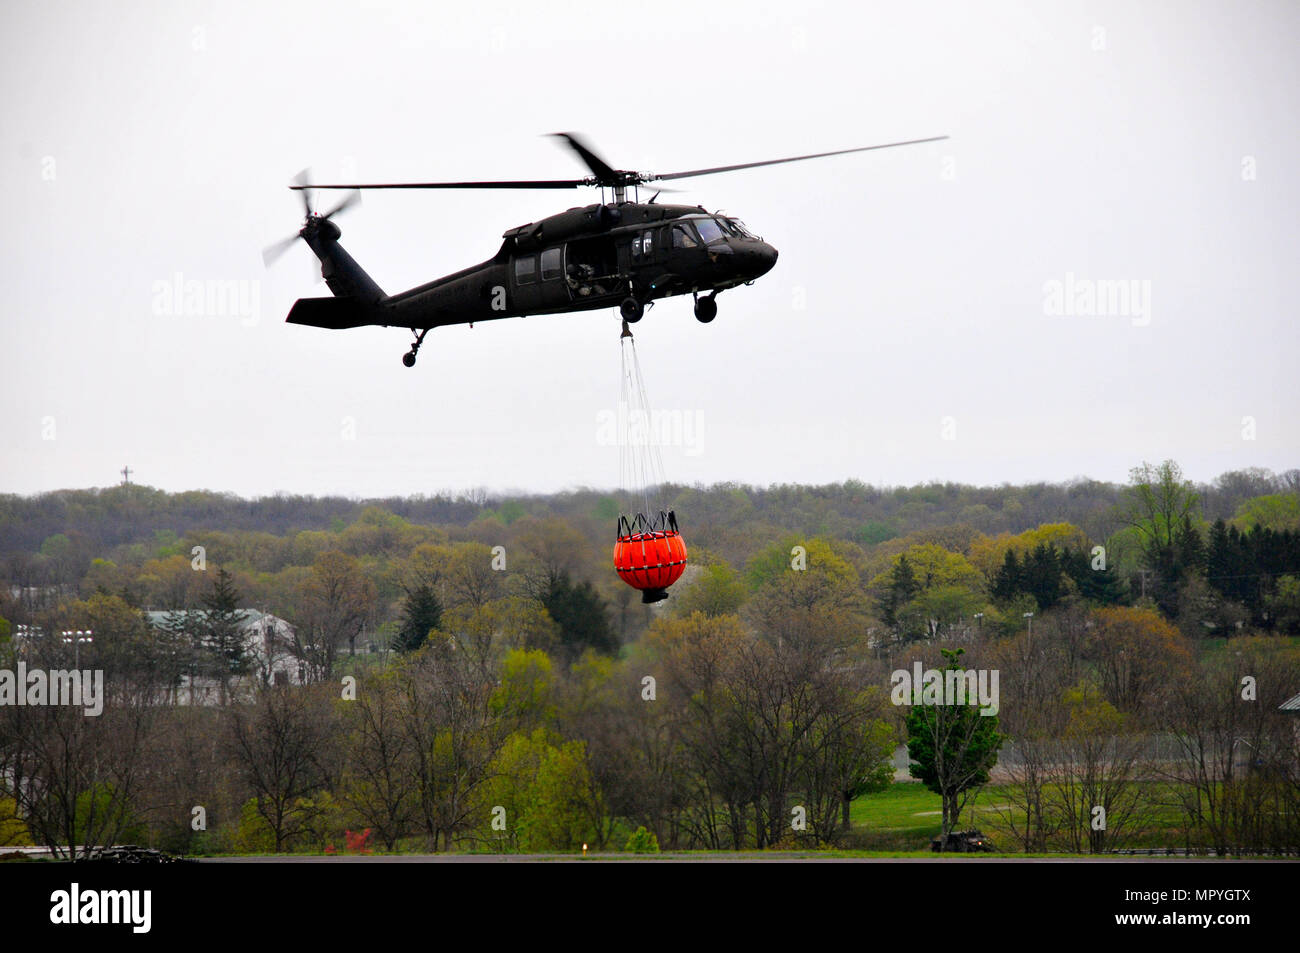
[(683, 237), (710, 230), (739, 227)]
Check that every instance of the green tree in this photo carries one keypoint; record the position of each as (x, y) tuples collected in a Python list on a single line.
[(12, 828), (222, 632), (1101, 586), (943, 608), (525, 694), (421, 613), (954, 747), (718, 590), (1008, 581), (1276, 511), (580, 613), (642, 841), (550, 800), (1160, 504), (901, 589)]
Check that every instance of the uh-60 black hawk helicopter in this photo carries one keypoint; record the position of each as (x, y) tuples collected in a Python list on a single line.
[(615, 253)]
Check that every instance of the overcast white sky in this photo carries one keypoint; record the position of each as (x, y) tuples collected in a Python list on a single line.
[(1106, 141)]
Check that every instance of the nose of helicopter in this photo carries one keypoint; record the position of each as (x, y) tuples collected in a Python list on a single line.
[(757, 258)]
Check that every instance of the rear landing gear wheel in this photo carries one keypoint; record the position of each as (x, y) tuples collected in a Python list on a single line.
[(409, 357), (706, 309), (631, 310)]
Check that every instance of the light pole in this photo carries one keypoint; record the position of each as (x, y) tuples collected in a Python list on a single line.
[(1232, 755), (1030, 617), (76, 637)]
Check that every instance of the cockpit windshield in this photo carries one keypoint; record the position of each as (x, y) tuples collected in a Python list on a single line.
[(709, 230), (739, 228)]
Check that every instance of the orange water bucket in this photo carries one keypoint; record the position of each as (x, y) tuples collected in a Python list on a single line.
[(650, 555)]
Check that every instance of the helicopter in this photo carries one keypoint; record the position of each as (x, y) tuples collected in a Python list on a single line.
[(614, 253)]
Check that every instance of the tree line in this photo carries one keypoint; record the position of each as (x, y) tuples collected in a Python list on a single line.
[(489, 684)]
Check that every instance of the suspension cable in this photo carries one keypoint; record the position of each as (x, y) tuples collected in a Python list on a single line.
[(641, 465)]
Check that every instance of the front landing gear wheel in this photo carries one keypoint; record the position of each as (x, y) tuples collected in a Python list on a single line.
[(631, 310), (706, 309), (409, 357)]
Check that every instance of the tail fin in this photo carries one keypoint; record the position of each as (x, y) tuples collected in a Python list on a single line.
[(340, 270)]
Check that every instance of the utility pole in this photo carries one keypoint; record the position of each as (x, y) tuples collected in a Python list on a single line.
[(126, 476)]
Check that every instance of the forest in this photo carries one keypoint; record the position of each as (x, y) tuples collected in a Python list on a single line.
[(468, 673)]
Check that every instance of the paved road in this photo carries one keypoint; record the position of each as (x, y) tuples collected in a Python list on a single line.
[(766, 857)]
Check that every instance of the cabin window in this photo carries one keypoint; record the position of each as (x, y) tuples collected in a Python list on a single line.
[(682, 237), (636, 247), (647, 243), (739, 227), (551, 265), (525, 269), (710, 230)]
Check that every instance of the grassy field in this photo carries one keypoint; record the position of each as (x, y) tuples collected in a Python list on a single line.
[(905, 816)]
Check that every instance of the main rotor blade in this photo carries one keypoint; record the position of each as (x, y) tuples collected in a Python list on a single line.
[(271, 252), (302, 183), (604, 172), (515, 184), (815, 155), (349, 200)]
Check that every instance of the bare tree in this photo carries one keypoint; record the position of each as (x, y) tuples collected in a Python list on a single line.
[(1235, 770), (334, 603), (1032, 717), (1095, 774), (77, 776), (380, 781), (453, 733), (279, 744)]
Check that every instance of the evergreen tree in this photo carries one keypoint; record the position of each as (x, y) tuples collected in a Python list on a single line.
[(1042, 576), (580, 613), (902, 589), (1220, 559), (1191, 548), (1009, 581), (1238, 578), (1103, 587), (222, 631), (954, 747), (421, 613)]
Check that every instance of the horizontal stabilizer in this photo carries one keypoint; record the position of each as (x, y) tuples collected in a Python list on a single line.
[(333, 313)]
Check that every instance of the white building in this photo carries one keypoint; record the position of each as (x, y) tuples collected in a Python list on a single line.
[(268, 647)]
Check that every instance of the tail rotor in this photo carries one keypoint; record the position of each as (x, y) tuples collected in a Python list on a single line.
[(313, 222)]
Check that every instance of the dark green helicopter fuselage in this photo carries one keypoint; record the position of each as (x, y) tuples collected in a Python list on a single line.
[(583, 259)]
